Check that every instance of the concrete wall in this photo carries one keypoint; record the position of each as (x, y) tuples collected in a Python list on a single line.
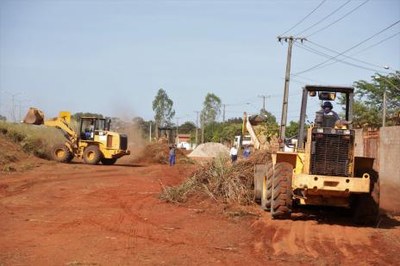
[(359, 149), (389, 168), (390, 153), (386, 149)]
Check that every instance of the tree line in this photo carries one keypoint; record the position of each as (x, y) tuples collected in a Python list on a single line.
[(376, 102)]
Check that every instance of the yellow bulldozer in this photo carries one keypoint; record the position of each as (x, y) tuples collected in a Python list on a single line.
[(323, 169), (93, 143)]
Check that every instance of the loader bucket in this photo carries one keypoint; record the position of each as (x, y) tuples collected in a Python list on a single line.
[(34, 117)]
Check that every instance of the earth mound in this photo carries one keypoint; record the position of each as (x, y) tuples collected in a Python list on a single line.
[(13, 158)]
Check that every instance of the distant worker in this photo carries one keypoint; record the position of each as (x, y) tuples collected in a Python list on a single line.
[(172, 155), (246, 152), (233, 153)]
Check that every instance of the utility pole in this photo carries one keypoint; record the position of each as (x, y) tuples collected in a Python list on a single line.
[(384, 104), (13, 106), (384, 109), (150, 131), (264, 97), (282, 130), (223, 112), (177, 125), (197, 127)]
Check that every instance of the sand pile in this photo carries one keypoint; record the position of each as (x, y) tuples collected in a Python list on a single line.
[(209, 149)]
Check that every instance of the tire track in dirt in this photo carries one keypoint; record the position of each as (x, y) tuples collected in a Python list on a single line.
[(311, 241)]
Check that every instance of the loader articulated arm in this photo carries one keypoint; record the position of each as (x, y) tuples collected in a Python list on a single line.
[(36, 117), (253, 134), (248, 126), (59, 123)]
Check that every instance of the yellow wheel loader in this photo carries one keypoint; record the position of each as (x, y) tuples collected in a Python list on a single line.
[(323, 169), (93, 143)]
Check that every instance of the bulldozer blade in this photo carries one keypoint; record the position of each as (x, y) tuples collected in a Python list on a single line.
[(34, 117)]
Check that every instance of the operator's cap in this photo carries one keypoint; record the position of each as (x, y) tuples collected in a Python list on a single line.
[(327, 104)]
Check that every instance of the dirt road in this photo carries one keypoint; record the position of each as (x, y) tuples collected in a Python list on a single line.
[(76, 214)]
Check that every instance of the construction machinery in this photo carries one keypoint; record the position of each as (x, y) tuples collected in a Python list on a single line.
[(93, 143), (322, 170), (254, 129)]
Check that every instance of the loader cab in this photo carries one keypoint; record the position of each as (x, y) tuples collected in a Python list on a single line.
[(91, 126), (313, 100)]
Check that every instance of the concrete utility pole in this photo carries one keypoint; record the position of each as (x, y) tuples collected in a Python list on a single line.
[(384, 104), (282, 130), (264, 97), (197, 127), (150, 132), (13, 106), (384, 109)]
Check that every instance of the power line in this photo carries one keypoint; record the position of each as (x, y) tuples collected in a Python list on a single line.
[(375, 44), (346, 56), (351, 48), (305, 78), (333, 58), (341, 60), (339, 19), (364, 62), (309, 14), (330, 14)]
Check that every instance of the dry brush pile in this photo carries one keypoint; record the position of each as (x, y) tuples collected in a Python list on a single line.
[(220, 180), (158, 152)]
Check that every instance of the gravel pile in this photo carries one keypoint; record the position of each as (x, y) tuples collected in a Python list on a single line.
[(209, 149)]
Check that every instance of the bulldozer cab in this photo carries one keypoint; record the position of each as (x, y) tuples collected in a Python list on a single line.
[(91, 126), (315, 98)]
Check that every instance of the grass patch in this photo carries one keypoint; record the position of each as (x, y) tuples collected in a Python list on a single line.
[(8, 168), (36, 140)]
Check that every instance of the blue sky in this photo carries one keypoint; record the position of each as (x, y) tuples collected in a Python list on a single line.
[(112, 57)]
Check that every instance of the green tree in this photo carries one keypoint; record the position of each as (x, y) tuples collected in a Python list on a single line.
[(368, 106), (211, 110), (292, 129), (187, 128), (162, 106), (78, 115)]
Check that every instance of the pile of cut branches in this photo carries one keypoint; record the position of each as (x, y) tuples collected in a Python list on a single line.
[(221, 180)]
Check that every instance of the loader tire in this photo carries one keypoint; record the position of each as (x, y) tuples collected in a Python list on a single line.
[(61, 153), (108, 161), (267, 187), (366, 211), (281, 200), (92, 155), (259, 173)]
